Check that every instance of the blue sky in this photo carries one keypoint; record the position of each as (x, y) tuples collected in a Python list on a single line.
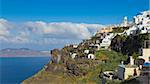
[(85, 11), (47, 24)]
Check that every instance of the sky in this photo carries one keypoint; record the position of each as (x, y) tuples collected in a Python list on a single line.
[(89, 11), (46, 24)]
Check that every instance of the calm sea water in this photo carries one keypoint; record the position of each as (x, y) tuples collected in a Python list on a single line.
[(16, 69)]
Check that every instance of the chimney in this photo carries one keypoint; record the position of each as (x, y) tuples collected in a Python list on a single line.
[(131, 60), (122, 63)]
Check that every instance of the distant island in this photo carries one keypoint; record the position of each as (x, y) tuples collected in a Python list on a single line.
[(22, 52)]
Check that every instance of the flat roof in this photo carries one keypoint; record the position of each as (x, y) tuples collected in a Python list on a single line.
[(146, 64), (128, 66)]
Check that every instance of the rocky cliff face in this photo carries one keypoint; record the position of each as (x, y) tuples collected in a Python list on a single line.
[(62, 62), (55, 56)]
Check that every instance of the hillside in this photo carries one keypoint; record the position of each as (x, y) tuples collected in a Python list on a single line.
[(78, 72), (95, 60), (80, 69)]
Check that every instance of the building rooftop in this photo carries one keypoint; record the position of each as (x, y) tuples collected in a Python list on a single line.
[(146, 64), (128, 66)]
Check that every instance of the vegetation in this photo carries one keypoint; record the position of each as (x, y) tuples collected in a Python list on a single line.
[(119, 29), (113, 59), (129, 44), (91, 76), (135, 56)]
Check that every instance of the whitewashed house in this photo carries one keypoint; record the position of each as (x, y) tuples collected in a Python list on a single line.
[(97, 46), (74, 55), (86, 51), (145, 54), (97, 41), (107, 40), (75, 45), (105, 43), (142, 18), (131, 30), (91, 45), (91, 56), (141, 22), (108, 75), (126, 71)]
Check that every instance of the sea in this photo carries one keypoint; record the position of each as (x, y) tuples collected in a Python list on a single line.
[(13, 70)]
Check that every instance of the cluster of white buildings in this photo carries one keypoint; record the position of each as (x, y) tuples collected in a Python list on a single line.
[(87, 52), (107, 40), (140, 24), (108, 35)]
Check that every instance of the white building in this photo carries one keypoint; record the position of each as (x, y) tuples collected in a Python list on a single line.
[(145, 54), (97, 46), (97, 41), (105, 43), (125, 22), (75, 45), (141, 22), (126, 71), (131, 30), (91, 56), (86, 51), (142, 18), (108, 75), (107, 40), (74, 55)]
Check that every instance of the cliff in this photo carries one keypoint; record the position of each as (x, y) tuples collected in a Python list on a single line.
[(72, 64), (64, 68)]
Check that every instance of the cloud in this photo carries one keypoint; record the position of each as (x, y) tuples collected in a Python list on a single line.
[(4, 27), (42, 33), (66, 30)]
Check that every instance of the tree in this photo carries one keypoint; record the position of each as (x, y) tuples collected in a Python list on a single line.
[(135, 56)]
